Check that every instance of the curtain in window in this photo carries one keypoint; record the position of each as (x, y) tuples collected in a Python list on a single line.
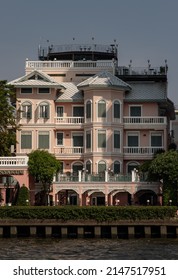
[(102, 109), (101, 166), (26, 140), (43, 140), (102, 139)]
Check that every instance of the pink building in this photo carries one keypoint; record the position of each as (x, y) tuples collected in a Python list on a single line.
[(99, 119)]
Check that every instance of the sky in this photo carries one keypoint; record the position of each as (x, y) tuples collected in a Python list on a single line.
[(144, 30)]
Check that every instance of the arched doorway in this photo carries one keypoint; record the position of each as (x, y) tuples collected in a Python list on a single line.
[(67, 197), (9, 188), (145, 197), (97, 198)]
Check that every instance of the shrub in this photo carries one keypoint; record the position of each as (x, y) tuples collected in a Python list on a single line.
[(23, 196)]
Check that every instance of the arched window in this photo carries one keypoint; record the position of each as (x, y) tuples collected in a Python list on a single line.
[(88, 166), (44, 110), (26, 110), (116, 114), (101, 166), (76, 167), (131, 166), (117, 167), (88, 109), (101, 109)]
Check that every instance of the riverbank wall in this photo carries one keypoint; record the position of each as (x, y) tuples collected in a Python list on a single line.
[(88, 229)]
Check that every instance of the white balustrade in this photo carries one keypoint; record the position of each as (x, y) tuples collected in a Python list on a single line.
[(14, 161), (69, 150), (141, 150), (144, 120), (69, 120), (68, 64)]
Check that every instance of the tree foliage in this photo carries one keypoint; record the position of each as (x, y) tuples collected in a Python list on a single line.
[(23, 196), (8, 124), (165, 167), (43, 166)]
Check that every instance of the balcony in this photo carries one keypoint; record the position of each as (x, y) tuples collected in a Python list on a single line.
[(72, 152), (13, 161), (76, 122), (140, 152), (104, 177), (147, 122)]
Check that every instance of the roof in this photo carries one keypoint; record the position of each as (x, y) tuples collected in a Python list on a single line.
[(35, 78), (104, 79), (70, 93), (147, 91)]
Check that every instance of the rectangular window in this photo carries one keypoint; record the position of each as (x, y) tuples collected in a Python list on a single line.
[(60, 111), (116, 139), (43, 90), (43, 140), (78, 111), (102, 139), (26, 140), (88, 140), (59, 138), (44, 111), (156, 140), (132, 141), (135, 111), (78, 140), (26, 90), (27, 111)]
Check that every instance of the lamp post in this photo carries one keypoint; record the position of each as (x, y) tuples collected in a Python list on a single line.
[(170, 202), (148, 202)]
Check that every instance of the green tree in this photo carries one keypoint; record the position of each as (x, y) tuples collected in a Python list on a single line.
[(165, 167), (43, 166), (8, 124), (23, 196)]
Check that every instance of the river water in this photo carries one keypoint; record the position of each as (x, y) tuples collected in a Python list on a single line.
[(88, 249)]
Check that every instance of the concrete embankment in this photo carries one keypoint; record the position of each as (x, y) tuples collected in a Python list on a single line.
[(88, 229)]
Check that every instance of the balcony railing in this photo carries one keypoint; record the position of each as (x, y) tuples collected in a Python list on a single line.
[(144, 120), (69, 150), (142, 150), (94, 178), (69, 120), (13, 161), (69, 64)]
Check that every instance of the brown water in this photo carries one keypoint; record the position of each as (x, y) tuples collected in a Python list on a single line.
[(88, 249)]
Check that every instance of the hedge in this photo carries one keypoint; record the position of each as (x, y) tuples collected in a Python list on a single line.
[(99, 214)]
